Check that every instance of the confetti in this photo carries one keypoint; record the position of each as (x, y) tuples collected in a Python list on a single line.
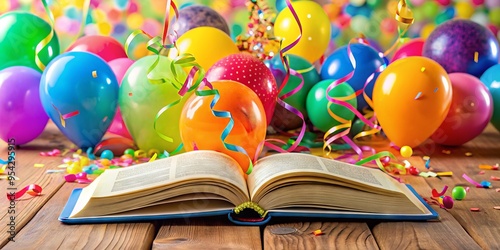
[(475, 209), (419, 94), (497, 190), (481, 172), (476, 56), (94, 74), (447, 152), (468, 154), (39, 165), (428, 174), (488, 167), (436, 194), (495, 178), (496, 207), (318, 232), (445, 174), (55, 171), (427, 160)]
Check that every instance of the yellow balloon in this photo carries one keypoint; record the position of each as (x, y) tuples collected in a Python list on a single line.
[(207, 44), (427, 30), (464, 10), (315, 29)]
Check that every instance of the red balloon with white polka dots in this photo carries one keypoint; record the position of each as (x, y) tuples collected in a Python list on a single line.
[(250, 71)]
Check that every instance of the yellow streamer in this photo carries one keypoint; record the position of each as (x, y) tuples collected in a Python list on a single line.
[(42, 44), (405, 18)]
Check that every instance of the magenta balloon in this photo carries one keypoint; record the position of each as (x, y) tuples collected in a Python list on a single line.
[(119, 67), (470, 112), (21, 111), (411, 48)]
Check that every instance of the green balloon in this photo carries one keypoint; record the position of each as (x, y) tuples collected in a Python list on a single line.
[(140, 101), (374, 4), (430, 9), (317, 104), (311, 77), (20, 33)]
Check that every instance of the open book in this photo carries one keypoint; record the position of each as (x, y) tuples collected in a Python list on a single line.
[(205, 183)]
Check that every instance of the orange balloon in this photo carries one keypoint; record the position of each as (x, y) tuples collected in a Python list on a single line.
[(411, 99), (201, 128)]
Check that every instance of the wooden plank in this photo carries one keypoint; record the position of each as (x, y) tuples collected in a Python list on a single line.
[(337, 235), (46, 232), (482, 226), (26, 156), (468, 230), (206, 233)]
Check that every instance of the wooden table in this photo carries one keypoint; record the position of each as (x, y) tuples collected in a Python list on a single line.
[(37, 226)]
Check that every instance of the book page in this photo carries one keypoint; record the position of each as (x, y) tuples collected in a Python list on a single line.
[(270, 167), (190, 165)]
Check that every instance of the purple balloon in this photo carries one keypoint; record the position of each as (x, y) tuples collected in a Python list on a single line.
[(470, 111), (462, 45), (23, 117)]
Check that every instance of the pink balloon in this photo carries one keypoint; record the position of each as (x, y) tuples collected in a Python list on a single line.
[(410, 48), (470, 112), (250, 71), (106, 47), (417, 2), (119, 67)]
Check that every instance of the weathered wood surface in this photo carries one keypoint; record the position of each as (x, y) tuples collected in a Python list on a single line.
[(459, 227), (206, 233), (336, 235), (26, 157), (46, 232)]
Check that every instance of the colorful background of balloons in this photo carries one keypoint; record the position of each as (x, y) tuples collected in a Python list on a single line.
[(321, 57)]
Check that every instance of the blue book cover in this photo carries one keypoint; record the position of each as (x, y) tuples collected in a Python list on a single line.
[(206, 183)]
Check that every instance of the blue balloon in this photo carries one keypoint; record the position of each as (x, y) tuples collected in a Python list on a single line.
[(368, 60), (491, 78), (79, 92)]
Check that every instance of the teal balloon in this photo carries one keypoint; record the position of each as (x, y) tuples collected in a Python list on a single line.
[(317, 104), (20, 33), (121, 4), (140, 101), (491, 78), (308, 72), (81, 87)]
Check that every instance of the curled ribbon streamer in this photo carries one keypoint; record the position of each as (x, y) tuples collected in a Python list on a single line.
[(376, 158), (222, 114), (62, 117), (299, 137), (85, 13), (405, 17), (166, 23), (184, 61), (327, 142), (436, 194), (341, 101), (45, 41), (471, 181), (289, 72), (32, 189)]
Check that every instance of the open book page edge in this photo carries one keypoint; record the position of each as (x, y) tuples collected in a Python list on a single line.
[(428, 213), (69, 207), (255, 185), (106, 187)]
